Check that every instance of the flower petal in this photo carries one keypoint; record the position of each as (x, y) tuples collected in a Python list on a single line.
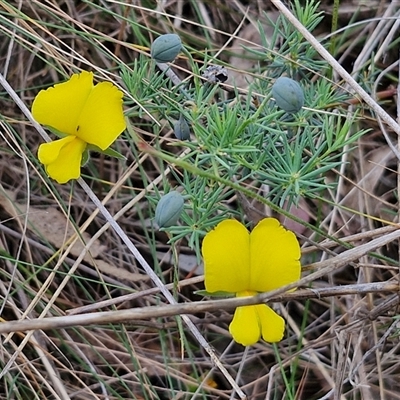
[(245, 327), (102, 118), (251, 322), (226, 254), (60, 106), (48, 152), (272, 325), (274, 256), (62, 158)]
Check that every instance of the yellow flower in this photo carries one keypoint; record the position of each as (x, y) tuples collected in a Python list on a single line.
[(85, 114), (246, 263)]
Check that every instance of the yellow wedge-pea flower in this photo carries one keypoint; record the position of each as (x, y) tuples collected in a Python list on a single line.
[(84, 114), (244, 263)]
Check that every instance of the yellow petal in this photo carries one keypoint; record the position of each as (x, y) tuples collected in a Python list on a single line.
[(48, 152), (251, 322), (275, 256), (245, 328), (226, 257), (102, 118), (272, 325), (60, 106), (62, 158)]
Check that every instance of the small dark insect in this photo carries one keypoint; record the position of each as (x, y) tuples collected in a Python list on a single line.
[(215, 74)]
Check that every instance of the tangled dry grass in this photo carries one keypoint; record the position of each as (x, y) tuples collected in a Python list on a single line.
[(342, 326)]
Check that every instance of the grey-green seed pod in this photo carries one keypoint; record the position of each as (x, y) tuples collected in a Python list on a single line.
[(288, 94), (182, 129), (166, 47), (169, 209)]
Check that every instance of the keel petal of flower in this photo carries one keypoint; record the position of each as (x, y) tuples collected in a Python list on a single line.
[(272, 325), (251, 322), (49, 152), (62, 158), (245, 328)]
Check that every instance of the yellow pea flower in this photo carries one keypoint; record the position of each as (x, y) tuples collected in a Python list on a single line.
[(246, 263), (85, 114)]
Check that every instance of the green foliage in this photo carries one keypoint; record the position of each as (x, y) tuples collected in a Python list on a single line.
[(242, 147), (246, 138)]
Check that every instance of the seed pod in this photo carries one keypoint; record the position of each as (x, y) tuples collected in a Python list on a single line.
[(182, 129), (169, 209), (166, 47), (288, 94)]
